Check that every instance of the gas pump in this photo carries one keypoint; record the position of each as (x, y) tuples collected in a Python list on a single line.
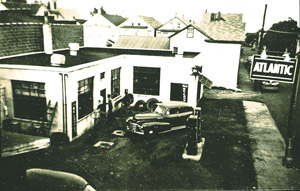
[(194, 132)]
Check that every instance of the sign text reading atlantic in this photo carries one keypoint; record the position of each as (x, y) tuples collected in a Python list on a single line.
[(273, 68)]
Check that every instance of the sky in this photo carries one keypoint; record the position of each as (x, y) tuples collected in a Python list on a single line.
[(164, 10)]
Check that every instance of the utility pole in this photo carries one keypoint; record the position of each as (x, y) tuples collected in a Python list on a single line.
[(262, 30), (288, 159), (260, 44)]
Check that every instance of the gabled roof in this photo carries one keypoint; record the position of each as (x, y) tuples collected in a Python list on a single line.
[(151, 21), (183, 20), (136, 42), (195, 27), (224, 27), (68, 14), (114, 19)]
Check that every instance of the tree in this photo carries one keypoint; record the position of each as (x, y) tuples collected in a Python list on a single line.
[(281, 36), (251, 38)]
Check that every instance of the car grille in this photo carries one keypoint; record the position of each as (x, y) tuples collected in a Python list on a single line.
[(134, 127)]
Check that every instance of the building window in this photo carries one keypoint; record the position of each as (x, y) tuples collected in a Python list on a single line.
[(146, 80), (115, 80), (85, 97), (102, 75), (175, 50), (190, 32), (178, 25), (29, 100)]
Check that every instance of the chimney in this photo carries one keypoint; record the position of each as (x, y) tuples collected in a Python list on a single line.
[(47, 34), (74, 47), (219, 16), (212, 17), (57, 59)]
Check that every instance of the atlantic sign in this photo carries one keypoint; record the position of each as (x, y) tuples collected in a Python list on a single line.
[(273, 68)]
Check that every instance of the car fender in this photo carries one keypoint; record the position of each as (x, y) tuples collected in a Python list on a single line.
[(151, 124)]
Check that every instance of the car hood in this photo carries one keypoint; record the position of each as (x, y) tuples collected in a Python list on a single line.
[(146, 116)]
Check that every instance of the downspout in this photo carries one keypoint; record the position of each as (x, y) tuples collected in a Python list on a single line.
[(63, 101), (66, 103)]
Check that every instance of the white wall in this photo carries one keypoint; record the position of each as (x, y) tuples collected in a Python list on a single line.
[(173, 70), (97, 30), (170, 25), (185, 44), (221, 64), (136, 21), (51, 79)]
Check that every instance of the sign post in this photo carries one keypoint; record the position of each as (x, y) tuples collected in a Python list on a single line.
[(288, 160), (285, 70)]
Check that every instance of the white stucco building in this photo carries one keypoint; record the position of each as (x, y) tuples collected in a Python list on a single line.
[(75, 86), (218, 39)]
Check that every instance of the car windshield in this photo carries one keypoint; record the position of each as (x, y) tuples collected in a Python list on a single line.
[(160, 110)]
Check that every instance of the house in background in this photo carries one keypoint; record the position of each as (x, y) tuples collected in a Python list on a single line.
[(101, 28), (218, 39), (139, 26), (172, 26)]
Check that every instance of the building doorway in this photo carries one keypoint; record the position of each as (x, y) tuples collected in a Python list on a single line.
[(179, 92), (103, 94)]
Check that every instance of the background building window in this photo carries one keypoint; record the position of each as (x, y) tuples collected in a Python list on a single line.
[(190, 32), (115, 80), (85, 97), (102, 75), (29, 100), (146, 80)]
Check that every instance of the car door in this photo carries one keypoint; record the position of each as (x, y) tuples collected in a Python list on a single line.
[(173, 116), (184, 113)]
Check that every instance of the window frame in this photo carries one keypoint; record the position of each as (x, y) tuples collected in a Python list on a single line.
[(85, 91), (146, 80), (29, 99), (190, 32)]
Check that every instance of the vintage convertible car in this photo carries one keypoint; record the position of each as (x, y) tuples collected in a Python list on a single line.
[(167, 116)]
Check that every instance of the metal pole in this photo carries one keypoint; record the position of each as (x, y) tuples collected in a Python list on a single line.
[(260, 44), (262, 28), (288, 160)]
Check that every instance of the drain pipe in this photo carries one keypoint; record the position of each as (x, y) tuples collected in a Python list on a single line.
[(63, 101)]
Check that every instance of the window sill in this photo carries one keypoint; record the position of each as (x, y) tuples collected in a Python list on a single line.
[(85, 117)]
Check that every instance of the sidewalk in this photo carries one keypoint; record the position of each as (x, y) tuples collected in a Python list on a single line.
[(268, 148)]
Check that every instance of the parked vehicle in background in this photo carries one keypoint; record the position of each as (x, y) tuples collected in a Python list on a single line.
[(166, 116), (269, 85), (51, 180)]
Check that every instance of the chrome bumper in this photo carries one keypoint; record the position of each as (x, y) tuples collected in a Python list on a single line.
[(134, 128)]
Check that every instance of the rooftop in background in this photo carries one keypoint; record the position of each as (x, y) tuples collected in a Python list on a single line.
[(143, 42), (22, 15), (85, 55), (115, 19), (223, 27)]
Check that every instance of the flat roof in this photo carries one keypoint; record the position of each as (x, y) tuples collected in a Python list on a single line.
[(41, 59), (84, 55)]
